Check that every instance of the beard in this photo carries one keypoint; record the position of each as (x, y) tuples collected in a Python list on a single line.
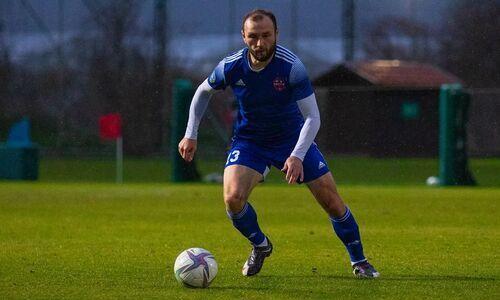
[(265, 54)]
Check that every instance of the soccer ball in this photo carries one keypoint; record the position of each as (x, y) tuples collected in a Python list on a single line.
[(195, 268), (432, 181)]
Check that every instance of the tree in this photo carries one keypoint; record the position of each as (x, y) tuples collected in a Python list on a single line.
[(120, 78), (398, 38), (470, 45)]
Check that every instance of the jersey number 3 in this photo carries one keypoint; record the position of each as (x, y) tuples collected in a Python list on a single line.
[(233, 156)]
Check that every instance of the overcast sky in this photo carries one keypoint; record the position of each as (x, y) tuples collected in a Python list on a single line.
[(319, 18), (198, 29)]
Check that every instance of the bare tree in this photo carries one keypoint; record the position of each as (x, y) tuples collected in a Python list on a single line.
[(398, 38), (120, 77), (469, 47)]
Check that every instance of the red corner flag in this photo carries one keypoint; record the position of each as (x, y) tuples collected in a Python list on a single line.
[(110, 126)]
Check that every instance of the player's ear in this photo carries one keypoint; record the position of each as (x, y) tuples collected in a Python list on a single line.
[(243, 34)]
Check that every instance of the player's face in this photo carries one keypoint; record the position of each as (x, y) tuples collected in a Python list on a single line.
[(260, 37)]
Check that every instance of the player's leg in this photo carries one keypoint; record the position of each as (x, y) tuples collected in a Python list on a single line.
[(245, 168), (343, 222), (322, 185), (239, 181)]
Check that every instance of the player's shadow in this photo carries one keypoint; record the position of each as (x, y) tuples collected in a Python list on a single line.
[(234, 287), (391, 277), (338, 278)]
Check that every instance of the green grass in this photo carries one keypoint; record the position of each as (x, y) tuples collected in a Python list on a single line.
[(347, 170), (100, 240)]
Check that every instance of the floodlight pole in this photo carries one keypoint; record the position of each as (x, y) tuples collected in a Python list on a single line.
[(231, 12), (293, 26), (348, 29), (119, 160), (160, 36), (3, 22)]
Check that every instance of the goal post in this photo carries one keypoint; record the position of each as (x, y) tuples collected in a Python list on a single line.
[(454, 104)]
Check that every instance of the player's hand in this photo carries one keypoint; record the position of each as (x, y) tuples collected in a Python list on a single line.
[(293, 169), (187, 148)]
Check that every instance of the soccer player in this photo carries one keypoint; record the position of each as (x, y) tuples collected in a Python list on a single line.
[(277, 122)]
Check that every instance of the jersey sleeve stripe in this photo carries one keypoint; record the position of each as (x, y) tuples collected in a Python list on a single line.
[(234, 55), (234, 59), (283, 49), (284, 58), (286, 55)]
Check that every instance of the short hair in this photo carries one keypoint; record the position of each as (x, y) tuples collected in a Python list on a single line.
[(257, 15)]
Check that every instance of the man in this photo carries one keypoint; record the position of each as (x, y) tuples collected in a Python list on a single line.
[(277, 122)]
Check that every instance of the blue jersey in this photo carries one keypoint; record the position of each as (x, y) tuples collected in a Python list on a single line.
[(268, 113)]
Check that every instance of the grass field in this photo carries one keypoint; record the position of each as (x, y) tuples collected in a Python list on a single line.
[(99, 240), (347, 170)]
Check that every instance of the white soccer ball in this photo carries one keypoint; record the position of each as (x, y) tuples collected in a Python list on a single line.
[(195, 268), (432, 181)]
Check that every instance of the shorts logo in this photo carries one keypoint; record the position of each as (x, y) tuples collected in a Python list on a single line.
[(321, 165), (240, 83), (279, 84)]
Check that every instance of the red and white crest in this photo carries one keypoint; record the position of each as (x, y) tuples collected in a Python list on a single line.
[(279, 84)]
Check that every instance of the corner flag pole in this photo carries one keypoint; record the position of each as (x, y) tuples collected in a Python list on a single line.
[(110, 128), (119, 160)]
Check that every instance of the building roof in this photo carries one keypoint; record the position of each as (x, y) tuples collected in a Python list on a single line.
[(387, 73)]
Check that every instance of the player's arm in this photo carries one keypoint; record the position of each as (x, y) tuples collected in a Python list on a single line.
[(201, 98), (309, 109), (310, 112), (303, 94), (199, 104)]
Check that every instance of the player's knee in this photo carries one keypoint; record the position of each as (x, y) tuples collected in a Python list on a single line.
[(334, 205), (336, 209), (234, 201)]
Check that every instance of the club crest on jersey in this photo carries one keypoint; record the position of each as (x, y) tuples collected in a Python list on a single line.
[(279, 84)]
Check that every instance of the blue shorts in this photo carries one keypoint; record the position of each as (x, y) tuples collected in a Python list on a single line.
[(261, 159)]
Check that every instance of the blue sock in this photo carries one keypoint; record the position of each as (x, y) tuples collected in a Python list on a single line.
[(246, 222), (347, 230)]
